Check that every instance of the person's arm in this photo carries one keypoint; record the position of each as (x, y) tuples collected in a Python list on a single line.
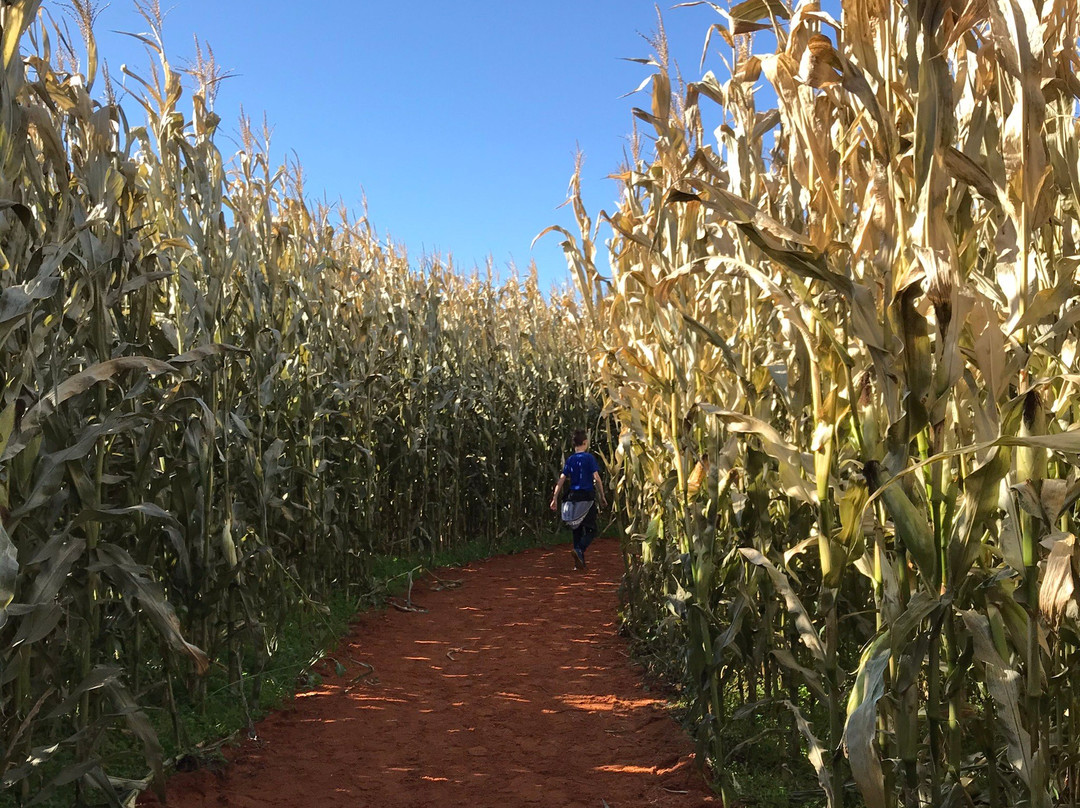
[(599, 486), (555, 493)]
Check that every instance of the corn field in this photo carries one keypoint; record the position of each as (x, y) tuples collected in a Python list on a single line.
[(219, 401), (839, 338)]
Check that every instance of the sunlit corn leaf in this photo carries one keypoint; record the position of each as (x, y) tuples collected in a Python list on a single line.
[(1059, 597), (859, 731)]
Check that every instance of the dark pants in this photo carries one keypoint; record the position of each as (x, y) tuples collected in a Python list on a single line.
[(586, 531)]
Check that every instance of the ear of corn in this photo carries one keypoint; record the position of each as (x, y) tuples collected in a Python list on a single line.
[(219, 403)]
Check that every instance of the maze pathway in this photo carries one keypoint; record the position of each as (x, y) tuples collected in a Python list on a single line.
[(513, 689)]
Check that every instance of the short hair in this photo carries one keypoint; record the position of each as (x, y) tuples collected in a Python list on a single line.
[(580, 436)]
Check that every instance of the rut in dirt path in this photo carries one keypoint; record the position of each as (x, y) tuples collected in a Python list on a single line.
[(513, 689)]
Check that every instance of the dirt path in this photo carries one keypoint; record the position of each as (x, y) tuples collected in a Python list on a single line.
[(512, 690)]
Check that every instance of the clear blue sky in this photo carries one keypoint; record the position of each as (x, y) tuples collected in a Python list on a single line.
[(459, 121)]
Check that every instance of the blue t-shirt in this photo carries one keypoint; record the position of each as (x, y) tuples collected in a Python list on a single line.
[(580, 467)]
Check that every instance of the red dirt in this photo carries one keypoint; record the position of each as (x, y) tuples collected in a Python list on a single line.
[(512, 690)]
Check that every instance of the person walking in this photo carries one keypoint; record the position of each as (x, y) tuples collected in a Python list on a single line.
[(586, 493)]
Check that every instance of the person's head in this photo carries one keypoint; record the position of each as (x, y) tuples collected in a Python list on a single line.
[(581, 439)]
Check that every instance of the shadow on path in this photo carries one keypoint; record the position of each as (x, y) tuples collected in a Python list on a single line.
[(513, 689)]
